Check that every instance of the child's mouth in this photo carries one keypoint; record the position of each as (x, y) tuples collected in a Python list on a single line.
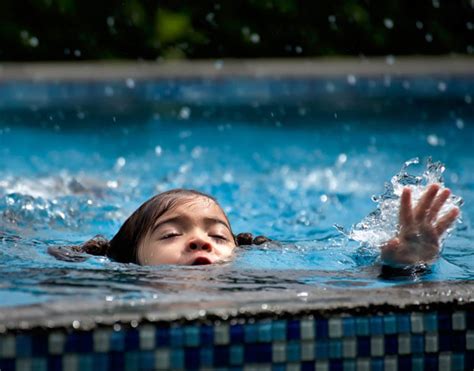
[(201, 261)]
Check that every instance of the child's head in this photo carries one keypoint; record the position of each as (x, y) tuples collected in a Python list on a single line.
[(180, 226), (175, 227)]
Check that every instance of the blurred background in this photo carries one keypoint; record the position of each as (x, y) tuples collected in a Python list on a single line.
[(155, 30)]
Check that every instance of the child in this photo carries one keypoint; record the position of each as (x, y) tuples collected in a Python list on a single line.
[(187, 227)]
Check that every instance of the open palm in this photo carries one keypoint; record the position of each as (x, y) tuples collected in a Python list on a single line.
[(418, 239)]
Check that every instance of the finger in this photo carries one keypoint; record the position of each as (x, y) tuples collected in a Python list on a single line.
[(406, 213), (438, 204), (425, 202), (445, 221)]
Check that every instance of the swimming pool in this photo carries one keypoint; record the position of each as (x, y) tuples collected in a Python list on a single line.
[(286, 157)]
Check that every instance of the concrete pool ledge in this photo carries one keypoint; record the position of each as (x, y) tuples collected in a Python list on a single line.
[(290, 68), (294, 302)]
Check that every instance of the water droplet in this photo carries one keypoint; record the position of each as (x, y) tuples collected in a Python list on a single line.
[(302, 294), (117, 327), (442, 86), (158, 151), (255, 38), (429, 37), (218, 64), (435, 4), (390, 60), (341, 159), (108, 91), (264, 306), (110, 21), (77, 53), (434, 140), (388, 23), (323, 198), (76, 324), (298, 49), (34, 42), (460, 124), (332, 19), (184, 113), (130, 83), (120, 163), (351, 79), (330, 88), (419, 25), (112, 184), (468, 99)]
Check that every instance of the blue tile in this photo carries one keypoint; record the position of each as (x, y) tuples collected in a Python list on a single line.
[(348, 326), (116, 361), (321, 349), (376, 325), (444, 321), (293, 330), (417, 362), (132, 339), (279, 330), (417, 344), (363, 346), (7, 364), (55, 363), (221, 355), (101, 361), (307, 366), (390, 324), (39, 364), (117, 341), (377, 364), (265, 332), (236, 334), (444, 341), (207, 357), (336, 365), (207, 335), (39, 345), (458, 341), (279, 367), (162, 337), (457, 361), (430, 322), (176, 337), (192, 336), (85, 361), (177, 358), (403, 323), (405, 363), (362, 326), (236, 354), (391, 344), (469, 360), (251, 334), (431, 362), (147, 360), (470, 320), (335, 348), (322, 328), (349, 365), (23, 345), (293, 351), (192, 359), (84, 342), (258, 353)]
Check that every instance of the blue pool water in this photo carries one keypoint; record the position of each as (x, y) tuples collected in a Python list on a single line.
[(289, 159)]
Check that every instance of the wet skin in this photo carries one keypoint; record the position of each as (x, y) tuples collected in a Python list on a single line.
[(195, 232), (420, 229)]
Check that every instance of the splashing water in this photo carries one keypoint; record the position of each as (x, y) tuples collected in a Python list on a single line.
[(382, 224)]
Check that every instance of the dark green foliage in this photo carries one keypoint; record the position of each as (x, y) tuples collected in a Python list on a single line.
[(148, 29)]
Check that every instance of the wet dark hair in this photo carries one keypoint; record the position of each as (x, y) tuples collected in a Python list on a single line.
[(123, 247)]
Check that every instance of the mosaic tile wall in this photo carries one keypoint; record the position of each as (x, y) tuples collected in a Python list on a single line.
[(404, 341)]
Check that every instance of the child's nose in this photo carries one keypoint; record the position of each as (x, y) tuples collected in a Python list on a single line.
[(200, 244)]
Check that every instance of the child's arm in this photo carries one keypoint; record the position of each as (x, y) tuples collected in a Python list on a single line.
[(418, 239)]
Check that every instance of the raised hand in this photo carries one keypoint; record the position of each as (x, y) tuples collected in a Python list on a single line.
[(418, 239)]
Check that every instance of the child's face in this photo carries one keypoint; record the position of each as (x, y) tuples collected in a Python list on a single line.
[(194, 232)]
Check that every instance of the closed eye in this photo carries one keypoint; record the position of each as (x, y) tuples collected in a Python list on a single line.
[(170, 235), (219, 237)]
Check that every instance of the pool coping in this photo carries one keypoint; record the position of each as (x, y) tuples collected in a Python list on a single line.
[(305, 301), (228, 68)]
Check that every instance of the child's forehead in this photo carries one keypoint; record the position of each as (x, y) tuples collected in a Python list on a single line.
[(196, 205)]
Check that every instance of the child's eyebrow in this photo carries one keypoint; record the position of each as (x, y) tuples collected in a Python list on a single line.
[(181, 218)]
